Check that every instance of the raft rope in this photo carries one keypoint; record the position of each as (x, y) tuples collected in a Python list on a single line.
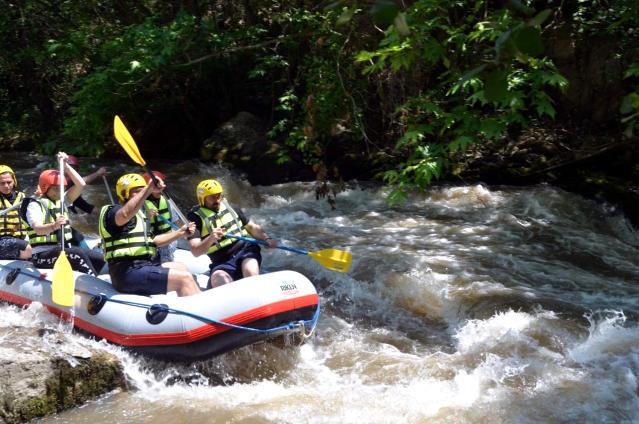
[(300, 325)]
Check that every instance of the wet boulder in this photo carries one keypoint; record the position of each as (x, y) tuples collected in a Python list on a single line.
[(241, 143), (43, 375)]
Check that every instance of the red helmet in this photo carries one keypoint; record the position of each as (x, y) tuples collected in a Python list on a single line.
[(157, 174), (48, 178), (73, 160)]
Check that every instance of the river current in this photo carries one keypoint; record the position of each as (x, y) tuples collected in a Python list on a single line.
[(466, 304)]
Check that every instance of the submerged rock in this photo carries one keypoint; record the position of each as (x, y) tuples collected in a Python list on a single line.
[(41, 376)]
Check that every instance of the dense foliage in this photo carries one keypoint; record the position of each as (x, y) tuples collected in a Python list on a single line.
[(401, 87)]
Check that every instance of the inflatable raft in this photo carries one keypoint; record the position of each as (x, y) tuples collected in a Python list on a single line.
[(170, 327)]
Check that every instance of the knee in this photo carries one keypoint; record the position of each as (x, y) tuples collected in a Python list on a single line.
[(219, 278), (187, 283)]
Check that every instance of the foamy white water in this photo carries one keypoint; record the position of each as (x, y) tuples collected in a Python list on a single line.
[(467, 304)]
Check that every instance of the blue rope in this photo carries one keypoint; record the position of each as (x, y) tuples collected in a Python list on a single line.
[(312, 322), (290, 326)]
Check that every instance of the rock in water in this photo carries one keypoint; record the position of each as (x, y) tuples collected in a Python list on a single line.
[(38, 379)]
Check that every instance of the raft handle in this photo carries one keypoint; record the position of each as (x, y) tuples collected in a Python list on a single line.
[(157, 313), (11, 276), (96, 303)]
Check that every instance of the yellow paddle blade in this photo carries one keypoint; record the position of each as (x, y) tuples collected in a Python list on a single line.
[(333, 259), (63, 285), (126, 141)]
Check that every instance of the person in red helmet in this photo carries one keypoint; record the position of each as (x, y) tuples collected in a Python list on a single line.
[(48, 221), (13, 229), (161, 216)]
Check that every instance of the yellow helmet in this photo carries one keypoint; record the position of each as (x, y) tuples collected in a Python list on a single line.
[(4, 169), (207, 188), (126, 183)]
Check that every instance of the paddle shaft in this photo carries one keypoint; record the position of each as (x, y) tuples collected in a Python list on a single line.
[(61, 180), (7, 210), (256, 241), (106, 185)]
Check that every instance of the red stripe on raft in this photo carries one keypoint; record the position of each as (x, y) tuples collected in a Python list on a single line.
[(12, 298), (183, 337)]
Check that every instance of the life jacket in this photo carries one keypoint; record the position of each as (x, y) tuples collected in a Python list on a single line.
[(133, 244), (158, 225), (51, 211), (225, 218), (11, 224)]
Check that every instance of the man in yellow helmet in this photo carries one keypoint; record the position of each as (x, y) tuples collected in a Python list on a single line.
[(216, 222), (129, 245), (13, 229)]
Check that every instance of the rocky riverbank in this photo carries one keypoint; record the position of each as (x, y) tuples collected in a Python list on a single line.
[(45, 372)]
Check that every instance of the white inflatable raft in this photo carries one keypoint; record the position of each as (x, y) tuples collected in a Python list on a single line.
[(170, 327)]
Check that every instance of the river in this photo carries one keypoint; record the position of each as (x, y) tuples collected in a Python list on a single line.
[(466, 304)]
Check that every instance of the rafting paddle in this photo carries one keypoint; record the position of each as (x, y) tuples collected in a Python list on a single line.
[(106, 185), (63, 282), (125, 139), (333, 259), (9, 209)]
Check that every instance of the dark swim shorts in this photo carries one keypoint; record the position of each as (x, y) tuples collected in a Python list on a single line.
[(10, 247), (139, 277), (233, 265)]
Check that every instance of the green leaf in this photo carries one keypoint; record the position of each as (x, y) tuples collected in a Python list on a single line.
[(466, 77), (629, 103), (492, 128), (496, 86), (554, 79), (633, 71), (461, 143), (543, 104), (528, 41), (346, 16)]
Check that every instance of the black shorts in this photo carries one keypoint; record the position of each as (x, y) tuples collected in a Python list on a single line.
[(139, 277), (10, 247), (233, 265)]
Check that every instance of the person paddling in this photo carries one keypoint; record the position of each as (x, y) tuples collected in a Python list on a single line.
[(216, 221), (130, 246), (13, 229), (46, 215), (162, 217)]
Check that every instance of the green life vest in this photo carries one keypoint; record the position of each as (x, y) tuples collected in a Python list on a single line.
[(51, 211), (11, 224), (225, 218), (158, 225), (133, 244)]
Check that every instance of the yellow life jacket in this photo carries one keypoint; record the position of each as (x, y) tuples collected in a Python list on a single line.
[(133, 244), (11, 224), (158, 225), (225, 218), (51, 211)]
